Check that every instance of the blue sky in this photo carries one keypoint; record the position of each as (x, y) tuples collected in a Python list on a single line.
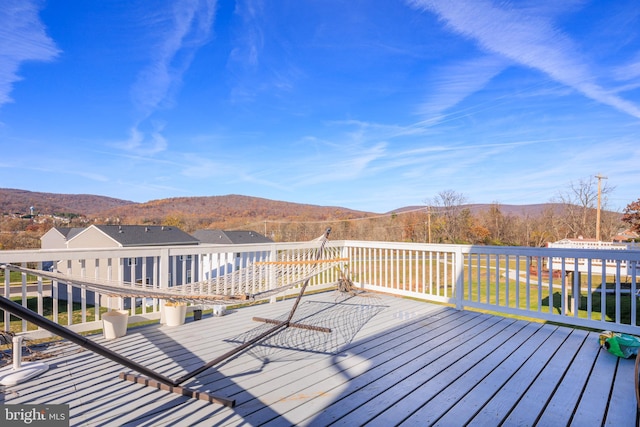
[(370, 105)]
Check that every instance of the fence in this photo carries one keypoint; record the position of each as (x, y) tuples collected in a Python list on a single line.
[(80, 310), (538, 283)]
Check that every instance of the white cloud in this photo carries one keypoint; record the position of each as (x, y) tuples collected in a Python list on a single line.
[(454, 83), (184, 29), (144, 143), (251, 43), (629, 73), (22, 38), (528, 37)]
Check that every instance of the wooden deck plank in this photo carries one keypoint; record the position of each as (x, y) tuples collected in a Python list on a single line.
[(619, 412), (469, 405), (413, 368), (501, 403), (321, 381), (287, 369), (529, 408), (330, 382), (560, 408), (448, 397), (420, 363), (388, 360), (298, 355), (413, 407), (595, 398)]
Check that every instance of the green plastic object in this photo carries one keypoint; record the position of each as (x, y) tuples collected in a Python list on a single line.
[(621, 345)]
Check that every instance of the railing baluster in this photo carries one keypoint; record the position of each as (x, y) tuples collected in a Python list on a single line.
[(23, 293)]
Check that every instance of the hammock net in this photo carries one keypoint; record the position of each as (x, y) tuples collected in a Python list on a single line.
[(259, 280)]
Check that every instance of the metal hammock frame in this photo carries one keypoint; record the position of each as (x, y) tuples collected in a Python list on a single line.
[(150, 377)]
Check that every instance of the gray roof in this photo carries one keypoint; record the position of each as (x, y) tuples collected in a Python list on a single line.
[(230, 237), (147, 235), (69, 232)]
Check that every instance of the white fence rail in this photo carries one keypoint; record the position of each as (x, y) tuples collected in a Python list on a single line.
[(156, 266), (507, 280)]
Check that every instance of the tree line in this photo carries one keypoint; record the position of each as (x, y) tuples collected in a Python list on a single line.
[(445, 218)]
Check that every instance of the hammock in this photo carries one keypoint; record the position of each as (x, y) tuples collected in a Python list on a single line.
[(150, 377), (261, 279)]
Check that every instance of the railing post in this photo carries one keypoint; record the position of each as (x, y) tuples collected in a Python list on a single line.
[(273, 256), (163, 279), (7, 295), (459, 269)]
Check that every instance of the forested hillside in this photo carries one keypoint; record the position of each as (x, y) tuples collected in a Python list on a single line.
[(447, 220), (225, 211), (21, 201)]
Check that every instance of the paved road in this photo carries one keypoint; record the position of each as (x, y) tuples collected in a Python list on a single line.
[(32, 290)]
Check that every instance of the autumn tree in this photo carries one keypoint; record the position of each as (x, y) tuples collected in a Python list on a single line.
[(541, 229), (503, 229), (632, 216)]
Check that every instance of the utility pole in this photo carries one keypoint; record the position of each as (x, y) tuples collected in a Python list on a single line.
[(429, 221), (600, 178)]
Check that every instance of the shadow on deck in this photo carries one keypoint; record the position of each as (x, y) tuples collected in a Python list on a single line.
[(387, 361)]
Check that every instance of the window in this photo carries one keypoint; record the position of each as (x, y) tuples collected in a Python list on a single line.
[(132, 261)]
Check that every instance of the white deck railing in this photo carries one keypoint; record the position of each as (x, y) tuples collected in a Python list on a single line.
[(507, 280)]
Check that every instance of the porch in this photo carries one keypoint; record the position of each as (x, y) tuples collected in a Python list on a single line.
[(420, 353), (396, 361)]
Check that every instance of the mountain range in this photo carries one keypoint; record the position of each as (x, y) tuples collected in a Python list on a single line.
[(215, 208)]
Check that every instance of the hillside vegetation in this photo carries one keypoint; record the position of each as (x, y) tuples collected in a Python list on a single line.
[(526, 225), (20, 202)]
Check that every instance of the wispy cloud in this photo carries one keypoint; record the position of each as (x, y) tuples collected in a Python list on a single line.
[(630, 73), (71, 170), (527, 37), (454, 83), (251, 42), (22, 38), (183, 30), (262, 59), (142, 143)]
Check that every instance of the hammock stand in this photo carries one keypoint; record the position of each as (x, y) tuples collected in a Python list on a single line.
[(150, 377)]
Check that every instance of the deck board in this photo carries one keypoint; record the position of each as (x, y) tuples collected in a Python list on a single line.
[(569, 390), (414, 371), (397, 361), (531, 405), (492, 355)]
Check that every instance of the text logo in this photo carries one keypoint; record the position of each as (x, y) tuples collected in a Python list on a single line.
[(34, 415)]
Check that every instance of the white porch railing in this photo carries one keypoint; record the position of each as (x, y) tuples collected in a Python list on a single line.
[(156, 266), (507, 280)]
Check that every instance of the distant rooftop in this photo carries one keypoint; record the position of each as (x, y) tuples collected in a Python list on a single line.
[(147, 235), (230, 237), (69, 232)]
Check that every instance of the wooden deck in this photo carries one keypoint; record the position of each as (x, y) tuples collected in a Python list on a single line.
[(388, 361)]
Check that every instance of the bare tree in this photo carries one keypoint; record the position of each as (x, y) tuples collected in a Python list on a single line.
[(543, 228), (451, 218), (579, 206)]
